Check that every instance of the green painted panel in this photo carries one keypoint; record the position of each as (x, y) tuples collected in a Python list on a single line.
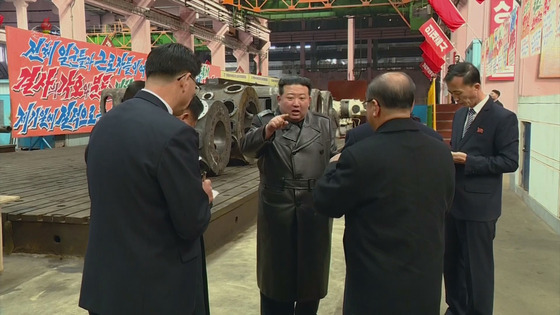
[(418, 14), (123, 40), (358, 11)]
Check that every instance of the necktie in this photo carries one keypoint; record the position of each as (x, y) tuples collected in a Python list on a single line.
[(470, 118)]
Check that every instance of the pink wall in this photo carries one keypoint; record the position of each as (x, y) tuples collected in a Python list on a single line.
[(508, 95), (529, 82), (526, 83)]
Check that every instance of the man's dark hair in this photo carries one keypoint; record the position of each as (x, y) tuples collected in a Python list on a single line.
[(392, 90), (293, 80), (497, 92), (132, 89), (466, 70), (170, 60), (196, 107)]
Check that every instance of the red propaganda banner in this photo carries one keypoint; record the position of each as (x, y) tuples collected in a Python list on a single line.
[(208, 71), (431, 55), (500, 11), (448, 13), (55, 83), (435, 68), (436, 38), (429, 73)]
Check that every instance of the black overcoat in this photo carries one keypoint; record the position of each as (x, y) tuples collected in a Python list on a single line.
[(293, 241)]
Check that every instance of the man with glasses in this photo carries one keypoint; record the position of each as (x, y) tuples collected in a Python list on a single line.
[(149, 206), (293, 146), (394, 189), (484, 144)]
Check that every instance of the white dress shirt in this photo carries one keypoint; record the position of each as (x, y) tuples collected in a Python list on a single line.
[(161, 99), (477, 110)]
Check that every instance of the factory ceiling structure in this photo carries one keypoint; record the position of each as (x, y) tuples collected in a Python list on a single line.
[(385, 30)]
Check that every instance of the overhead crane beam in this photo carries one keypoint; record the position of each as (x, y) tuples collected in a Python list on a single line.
[(167, 20), (342, 35), (270, 6), (220, 13)]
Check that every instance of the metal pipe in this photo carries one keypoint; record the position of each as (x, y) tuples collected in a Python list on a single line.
[(5, 129)]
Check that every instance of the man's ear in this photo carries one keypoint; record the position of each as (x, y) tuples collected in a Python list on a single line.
[(376, 108), (184, 116)]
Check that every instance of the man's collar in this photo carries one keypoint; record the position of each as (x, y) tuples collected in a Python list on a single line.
[(161, 99), (479, 106)]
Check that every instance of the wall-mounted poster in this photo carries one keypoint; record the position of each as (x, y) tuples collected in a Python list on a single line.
[(550, 49), (526, 28), (500, 58), (537, 14)]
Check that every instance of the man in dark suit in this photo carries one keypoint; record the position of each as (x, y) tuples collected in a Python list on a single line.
[(394, 189), (132, 89), (494, 95), (149, 206), (191, 114), (364, 130), (484, 142)]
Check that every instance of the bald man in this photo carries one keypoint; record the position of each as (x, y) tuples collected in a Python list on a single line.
[(394, 189)]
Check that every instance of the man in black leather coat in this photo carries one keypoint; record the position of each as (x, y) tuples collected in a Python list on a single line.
[(293, 147)]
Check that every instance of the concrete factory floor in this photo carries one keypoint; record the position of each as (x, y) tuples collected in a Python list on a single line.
[(527, 255)]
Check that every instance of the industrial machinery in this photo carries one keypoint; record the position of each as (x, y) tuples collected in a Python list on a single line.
[(227, 115)]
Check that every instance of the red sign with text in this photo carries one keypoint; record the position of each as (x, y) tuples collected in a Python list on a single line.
[(428, 72), (55, 83), (436, 38), (500, 10)]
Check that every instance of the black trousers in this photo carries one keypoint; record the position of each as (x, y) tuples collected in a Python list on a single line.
[(273, 307), (468, 267)]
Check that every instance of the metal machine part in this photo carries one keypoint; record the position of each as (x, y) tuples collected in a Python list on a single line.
[(316, 104), (242, 103), (214, 131), (267, 97), (112, 97)]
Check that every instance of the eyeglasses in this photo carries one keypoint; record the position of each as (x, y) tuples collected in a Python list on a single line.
[(364, 104), (197, 87), (182, 76)]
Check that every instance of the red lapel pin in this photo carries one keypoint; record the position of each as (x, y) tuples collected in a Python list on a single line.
[(479, 130)]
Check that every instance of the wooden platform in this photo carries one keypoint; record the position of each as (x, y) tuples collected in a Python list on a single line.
[(52, 213)]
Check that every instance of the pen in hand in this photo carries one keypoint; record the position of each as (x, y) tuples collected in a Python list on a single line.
[(207, 187)]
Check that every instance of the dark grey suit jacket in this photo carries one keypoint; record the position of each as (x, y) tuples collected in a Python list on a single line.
[(148, 211), (491, 144), (394, 189), (365, 130)]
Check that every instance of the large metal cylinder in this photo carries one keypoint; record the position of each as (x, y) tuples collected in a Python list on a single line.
[(349, 110), (316, 104), (242, 103), (115, 95), (328, 109), (267, 97), (327, 100), (344, 109), (214, 129)]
